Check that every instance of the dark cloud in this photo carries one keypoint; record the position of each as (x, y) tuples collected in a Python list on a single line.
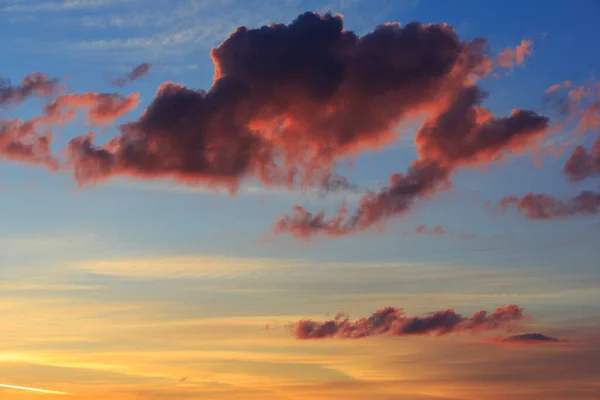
[(467, 133), (288, 101), (582, 163), (529, 339), (393, 321), (421, 180), (34, 84), (545, 207), (136, 73)]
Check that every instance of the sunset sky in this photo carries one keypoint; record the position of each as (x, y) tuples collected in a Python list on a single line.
[(363, 199)]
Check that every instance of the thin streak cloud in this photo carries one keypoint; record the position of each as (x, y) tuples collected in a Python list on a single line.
[(67, 5), (32, 389)]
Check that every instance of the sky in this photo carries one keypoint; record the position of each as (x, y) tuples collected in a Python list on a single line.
[(299, 199)]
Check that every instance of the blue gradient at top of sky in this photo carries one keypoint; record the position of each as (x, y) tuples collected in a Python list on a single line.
[(158, 217)]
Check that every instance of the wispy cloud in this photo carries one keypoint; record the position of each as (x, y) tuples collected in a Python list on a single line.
[(181, 267), (186, 36), (42, 287), (65, 5), (13, 245), (322, 195)]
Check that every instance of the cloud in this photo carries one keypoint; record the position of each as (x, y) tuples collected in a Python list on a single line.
[(590, 119), (557, 86), (422, 179), (30, 141), (101, 108), (21, 142), (437, 230), (529, 339), (136, 72), (167, 39), (545, 207), (11, 245), (511, 57), (465, 134), (289, 102), (34, 84), (393, 321), (66, 5), (296, 98), (158, 267), (579, 104), (583, 164), (32, 389)]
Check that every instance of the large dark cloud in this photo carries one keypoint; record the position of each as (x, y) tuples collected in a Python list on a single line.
[(290, 100), (393, 321)]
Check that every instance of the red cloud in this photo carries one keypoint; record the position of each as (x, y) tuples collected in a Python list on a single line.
[(590, 118), (511, 57), (557, 86), (101, 108), (29, 141), (35, 84), (136, 73), (393, 321), (20, 141), (580, 104)]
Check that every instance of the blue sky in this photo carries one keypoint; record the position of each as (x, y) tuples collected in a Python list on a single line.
[(55, 233)]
